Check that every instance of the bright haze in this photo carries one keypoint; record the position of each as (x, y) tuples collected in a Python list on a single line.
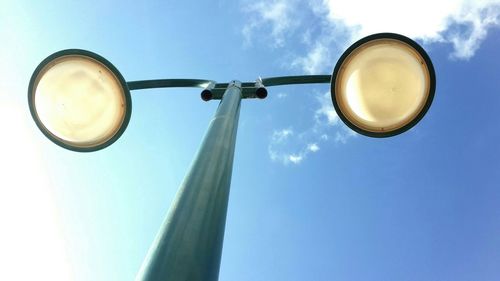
[(310, 199)]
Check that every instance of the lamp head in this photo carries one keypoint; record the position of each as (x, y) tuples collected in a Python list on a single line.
[(79, 100), (383, 85)]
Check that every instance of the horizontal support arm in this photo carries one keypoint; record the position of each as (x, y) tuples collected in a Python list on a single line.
[(285, 80), (289, 80), (248, 88), (167, 83)]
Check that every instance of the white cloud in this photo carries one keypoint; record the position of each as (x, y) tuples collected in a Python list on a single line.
[(326, 116), (325, 112), (281, 95), (344, 134), (337, 23), (275, 14), (279, 139), (321, 30), (314, 60), (463, 23), (313, 147), (288, 147), (465, 45), (281, 135), (295, 159), (291, 158)]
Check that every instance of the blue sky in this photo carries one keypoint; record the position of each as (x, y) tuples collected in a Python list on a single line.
[(310, 200)]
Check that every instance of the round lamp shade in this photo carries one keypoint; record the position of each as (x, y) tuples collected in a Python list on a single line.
[(79, 100), (383, 85)]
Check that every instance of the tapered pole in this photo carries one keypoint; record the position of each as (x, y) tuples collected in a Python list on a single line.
[(188, 246)]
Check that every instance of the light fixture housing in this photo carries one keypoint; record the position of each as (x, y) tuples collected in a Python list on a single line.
[(79, 100), (383, 85)]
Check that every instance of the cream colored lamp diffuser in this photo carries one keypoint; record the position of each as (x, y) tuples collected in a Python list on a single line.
[(79, 100), (383, 85)]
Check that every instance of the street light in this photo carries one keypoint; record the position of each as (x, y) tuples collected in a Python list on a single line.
[(381, 86), (79, 100)]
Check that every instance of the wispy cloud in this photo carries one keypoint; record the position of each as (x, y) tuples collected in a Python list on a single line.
[(462, 23), (477, 23), (332, 25), (273, 18), (314, 61), (281, 95), (286, 146), (316, 32), (287, 152), (313, 147), (326, 120), (325, 112), (281, 136)]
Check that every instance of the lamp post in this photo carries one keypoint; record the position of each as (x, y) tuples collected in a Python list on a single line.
[(381, 86)]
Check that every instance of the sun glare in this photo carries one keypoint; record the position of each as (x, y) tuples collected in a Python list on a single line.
[(31, 240)]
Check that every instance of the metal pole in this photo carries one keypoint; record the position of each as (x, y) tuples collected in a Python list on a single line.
[(188, 246)]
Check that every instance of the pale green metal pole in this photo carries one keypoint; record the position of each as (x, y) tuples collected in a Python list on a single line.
[(188, 246)]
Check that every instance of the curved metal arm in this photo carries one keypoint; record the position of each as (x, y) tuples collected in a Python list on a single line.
[(248, 88), (168, 83), (302, 79)]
